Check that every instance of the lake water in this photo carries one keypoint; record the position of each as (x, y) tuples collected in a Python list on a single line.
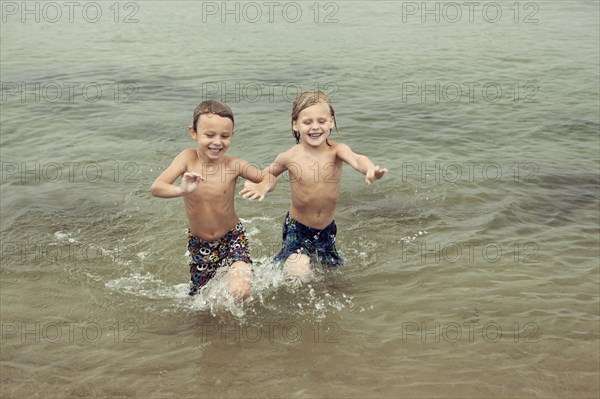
[(472, 267)]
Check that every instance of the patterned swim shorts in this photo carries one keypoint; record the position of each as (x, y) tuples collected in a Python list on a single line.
[(207, 256), (319, 245)]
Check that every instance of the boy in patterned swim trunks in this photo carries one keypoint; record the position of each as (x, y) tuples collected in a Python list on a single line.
[(314, 165), (216, 237)]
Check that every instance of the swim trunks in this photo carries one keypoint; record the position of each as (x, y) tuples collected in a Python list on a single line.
[(319, 245), (207, 256)]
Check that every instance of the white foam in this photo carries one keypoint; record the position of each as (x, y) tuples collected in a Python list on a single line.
[(61, 236)]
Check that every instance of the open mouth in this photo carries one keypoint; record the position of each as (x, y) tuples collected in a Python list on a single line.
[(215, 150), (315, 135)]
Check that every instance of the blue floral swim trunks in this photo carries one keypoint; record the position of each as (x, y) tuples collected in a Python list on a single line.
[(207, 256), (319, 245)]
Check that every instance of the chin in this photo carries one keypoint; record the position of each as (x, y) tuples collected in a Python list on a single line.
[(211, 155), (316, 143)]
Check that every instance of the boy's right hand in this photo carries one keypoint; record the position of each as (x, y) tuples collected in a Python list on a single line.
[(190, 181)]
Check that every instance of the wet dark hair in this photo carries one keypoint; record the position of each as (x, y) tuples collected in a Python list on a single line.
[(308, 99), (212, 107)]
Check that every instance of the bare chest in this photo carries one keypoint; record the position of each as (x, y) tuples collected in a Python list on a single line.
[(322, 170)]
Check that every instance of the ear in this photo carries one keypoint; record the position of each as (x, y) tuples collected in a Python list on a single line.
[(332, 122), (193, 132), (295, 126)]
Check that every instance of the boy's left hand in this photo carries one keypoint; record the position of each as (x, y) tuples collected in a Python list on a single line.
[(375, 173), (253, 191)]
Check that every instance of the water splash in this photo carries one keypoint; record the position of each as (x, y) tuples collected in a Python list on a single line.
[(273, 293)]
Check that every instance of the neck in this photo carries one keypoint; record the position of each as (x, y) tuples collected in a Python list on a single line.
[(310, 148)]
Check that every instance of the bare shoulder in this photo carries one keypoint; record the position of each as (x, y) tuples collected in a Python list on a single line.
[(189, 154), (339, 146), (180, 164), (341, 149), (344, 153), (289, 155), (185, 158)]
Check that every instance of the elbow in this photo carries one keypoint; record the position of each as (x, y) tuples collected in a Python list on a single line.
[(154, 189)]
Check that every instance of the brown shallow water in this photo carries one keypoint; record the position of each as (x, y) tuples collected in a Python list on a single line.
[(472, 267)]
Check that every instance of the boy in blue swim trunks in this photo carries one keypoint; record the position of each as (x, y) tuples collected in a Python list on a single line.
[(216, 238), (317, 244), (314, 165)]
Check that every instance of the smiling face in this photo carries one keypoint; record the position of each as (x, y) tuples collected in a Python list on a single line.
[(314, 124), (213, 135)]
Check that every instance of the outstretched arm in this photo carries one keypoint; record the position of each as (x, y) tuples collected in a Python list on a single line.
[(163, 186), (361, 163)]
